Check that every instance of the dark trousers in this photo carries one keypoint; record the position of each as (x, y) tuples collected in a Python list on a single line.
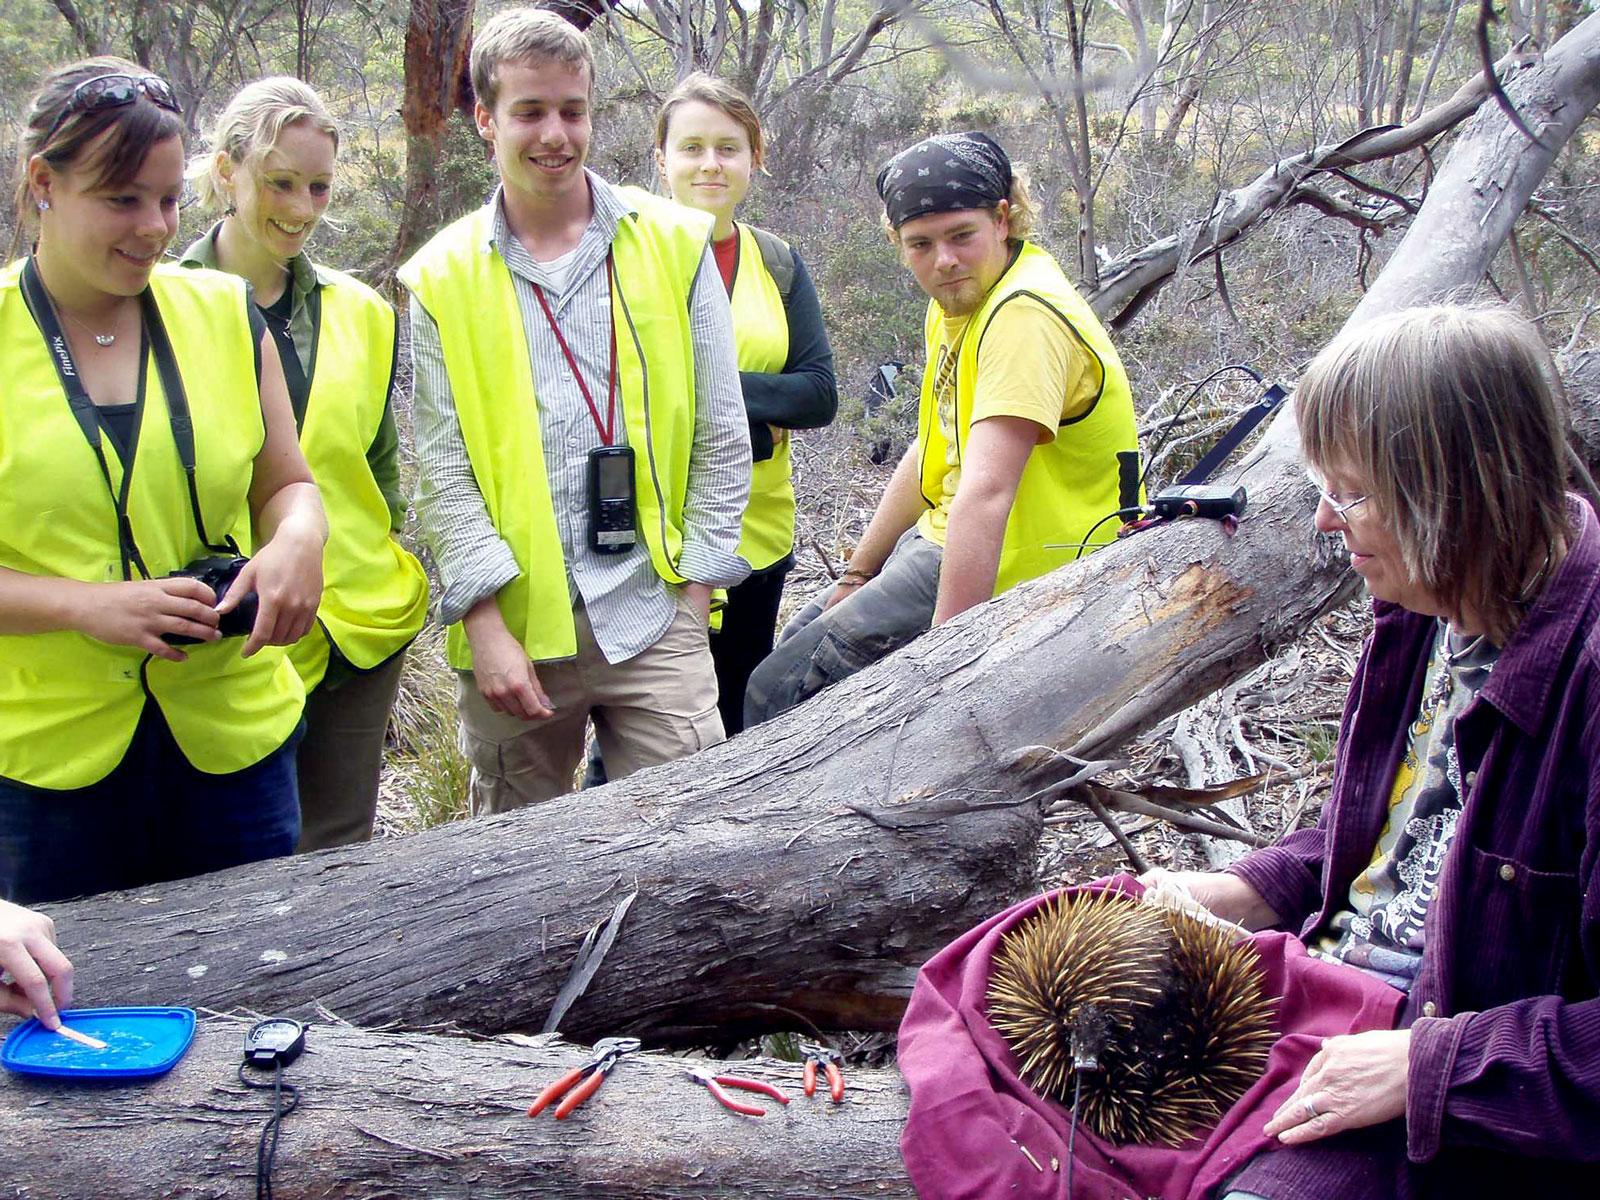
[(155, 817), (341, 758), (749, 628)]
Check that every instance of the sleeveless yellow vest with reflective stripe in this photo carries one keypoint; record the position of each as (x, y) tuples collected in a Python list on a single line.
[(761, 330), (1068, 484), (375, 593), (69, 703), (465, 286)]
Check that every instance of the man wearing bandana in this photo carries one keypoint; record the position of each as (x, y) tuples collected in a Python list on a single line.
[(1026, 443)]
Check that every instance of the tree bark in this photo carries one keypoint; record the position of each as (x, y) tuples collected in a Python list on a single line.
[(437, 1117), (438, 38), (798, 874)]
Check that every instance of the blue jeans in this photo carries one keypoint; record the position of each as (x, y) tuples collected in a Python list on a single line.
[(155, 817)]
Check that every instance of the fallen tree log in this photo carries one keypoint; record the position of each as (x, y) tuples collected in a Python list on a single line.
[(797, 875), (425, 1116)]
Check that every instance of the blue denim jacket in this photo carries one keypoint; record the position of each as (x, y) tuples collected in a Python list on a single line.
[(1505, 1013)]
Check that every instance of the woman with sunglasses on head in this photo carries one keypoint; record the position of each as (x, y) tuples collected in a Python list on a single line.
[(1457, 858), (270, 175), (146, 443), (708, 143)]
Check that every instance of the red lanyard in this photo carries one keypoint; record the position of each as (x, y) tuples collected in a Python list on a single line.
[(608, 429)]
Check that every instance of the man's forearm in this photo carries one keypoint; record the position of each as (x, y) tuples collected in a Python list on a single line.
[(972, 541), (897, 511), (997, 450)]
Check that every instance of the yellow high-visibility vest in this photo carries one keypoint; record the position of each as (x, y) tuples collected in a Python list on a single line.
[(761, 330), (69, 704), (375, 592), (1070, 483), (465, 286)]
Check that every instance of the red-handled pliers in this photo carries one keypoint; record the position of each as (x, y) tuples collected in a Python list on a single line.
[(829, 1060), (715, 1083), (583, 1082)]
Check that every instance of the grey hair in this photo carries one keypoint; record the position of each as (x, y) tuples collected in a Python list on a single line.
[(1454, 420)]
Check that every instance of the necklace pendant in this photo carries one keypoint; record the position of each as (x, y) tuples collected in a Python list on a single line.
[(105, 339)]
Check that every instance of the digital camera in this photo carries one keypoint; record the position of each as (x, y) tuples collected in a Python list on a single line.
[(218, 574)]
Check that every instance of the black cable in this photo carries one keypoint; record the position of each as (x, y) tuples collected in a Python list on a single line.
[(1089, 537), (267, 1147), (1166, 430), (1072, 1129)]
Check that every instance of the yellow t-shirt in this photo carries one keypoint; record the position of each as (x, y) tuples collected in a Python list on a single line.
[(1028, 366)]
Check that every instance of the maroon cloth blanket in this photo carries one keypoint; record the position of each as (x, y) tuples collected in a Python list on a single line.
[(971, 1116)]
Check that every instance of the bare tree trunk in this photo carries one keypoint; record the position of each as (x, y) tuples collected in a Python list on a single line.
[(425, 1116), (1408, 62), (1446, 31), (438, 37), (90, 41)]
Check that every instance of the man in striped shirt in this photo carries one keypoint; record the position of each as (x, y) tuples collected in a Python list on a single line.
[(569, 336)]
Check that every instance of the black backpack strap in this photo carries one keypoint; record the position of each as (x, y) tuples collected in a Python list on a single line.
[(778, 258)]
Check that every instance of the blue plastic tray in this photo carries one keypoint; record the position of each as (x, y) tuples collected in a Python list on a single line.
[(140, 1042)]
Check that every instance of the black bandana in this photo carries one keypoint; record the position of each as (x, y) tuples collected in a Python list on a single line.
[(944, 173)]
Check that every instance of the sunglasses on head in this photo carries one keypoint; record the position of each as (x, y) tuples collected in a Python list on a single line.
[(116, 90)]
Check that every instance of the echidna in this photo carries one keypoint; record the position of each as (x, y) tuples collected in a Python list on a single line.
[(1171, 1012)]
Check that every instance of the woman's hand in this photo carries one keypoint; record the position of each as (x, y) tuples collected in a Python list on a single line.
[(35, 977), (286, 574), (1352, 1082), (139, 613), (1230, 897)]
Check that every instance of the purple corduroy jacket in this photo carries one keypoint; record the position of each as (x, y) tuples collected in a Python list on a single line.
[(1504, 1090)]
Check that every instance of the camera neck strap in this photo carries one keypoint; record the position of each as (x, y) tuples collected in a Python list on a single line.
[(155, 342), (607, 429)]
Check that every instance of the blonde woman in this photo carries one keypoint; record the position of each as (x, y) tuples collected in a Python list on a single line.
[(146, 444), (271, 175), (709, 143)]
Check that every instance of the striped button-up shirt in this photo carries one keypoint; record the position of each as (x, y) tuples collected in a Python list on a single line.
[(628, 604)]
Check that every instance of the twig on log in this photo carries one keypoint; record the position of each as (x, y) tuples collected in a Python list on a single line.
[(1113, 798), (1140, 863)]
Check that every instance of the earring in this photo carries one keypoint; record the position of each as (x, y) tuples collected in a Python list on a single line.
[(44, 206)]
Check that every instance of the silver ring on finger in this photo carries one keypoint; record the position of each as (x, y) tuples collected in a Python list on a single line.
[(1311, 1109)]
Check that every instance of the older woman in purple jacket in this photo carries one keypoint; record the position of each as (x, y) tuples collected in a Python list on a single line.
[(1457, 856)]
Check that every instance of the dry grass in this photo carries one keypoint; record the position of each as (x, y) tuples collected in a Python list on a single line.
[(424, 772)]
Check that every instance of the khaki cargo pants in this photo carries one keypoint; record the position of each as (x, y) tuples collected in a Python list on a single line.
[(658, 706)]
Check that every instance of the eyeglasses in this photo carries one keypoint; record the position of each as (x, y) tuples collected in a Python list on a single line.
[(1337, 504), (116, 90)]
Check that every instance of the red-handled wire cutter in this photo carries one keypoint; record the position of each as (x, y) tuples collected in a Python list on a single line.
[(582, 1082), (715, 1083), (830, 1061)]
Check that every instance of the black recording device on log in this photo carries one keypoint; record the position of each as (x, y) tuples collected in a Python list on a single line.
[(611, 500), (218, 573), (1198, 500)]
